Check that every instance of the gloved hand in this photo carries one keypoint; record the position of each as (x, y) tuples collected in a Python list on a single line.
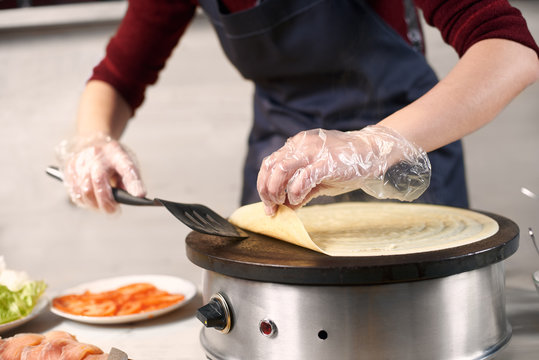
[(92, 165), (329, 162)]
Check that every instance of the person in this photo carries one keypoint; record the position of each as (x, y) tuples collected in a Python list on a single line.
[(345, 103)]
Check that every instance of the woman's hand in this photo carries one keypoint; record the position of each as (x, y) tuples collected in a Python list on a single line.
[(329, 162), (92, 165), (94, 160)]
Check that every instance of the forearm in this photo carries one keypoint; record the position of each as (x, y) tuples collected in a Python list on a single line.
[(489, 75), (102, 110)]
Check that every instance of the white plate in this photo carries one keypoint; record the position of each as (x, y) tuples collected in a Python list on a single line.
[(41, 304), (171, 284)]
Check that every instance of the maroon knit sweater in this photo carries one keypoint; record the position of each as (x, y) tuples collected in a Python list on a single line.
[(152, 28)]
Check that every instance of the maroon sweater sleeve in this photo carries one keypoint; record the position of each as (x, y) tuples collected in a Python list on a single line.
[(465, 22), (143, 42)]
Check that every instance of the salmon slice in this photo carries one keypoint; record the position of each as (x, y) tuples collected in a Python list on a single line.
[(79, 351), (97, 357), (48, 349), (57, 334), (54, 345), (60, 349), (12, 348)]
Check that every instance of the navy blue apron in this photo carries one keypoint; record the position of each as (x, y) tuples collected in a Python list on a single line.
[(332, 65)]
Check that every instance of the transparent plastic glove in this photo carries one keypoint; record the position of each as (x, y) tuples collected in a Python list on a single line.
[(329, 162), (92, 166)]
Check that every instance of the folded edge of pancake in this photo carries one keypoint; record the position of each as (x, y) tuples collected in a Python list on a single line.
[(284, 225)]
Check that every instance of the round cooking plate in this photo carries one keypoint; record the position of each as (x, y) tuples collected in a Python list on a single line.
[(262, 258)]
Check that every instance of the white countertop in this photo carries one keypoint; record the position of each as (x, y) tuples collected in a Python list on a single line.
[(175, 336)]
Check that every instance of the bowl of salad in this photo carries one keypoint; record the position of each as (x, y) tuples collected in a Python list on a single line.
[(21, 298)]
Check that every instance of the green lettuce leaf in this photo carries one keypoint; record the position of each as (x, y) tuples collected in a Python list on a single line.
[(17, 304)]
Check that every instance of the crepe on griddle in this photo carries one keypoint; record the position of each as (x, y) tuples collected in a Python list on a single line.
[(370, 228)]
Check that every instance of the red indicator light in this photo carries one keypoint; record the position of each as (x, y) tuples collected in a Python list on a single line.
[(267, 328)]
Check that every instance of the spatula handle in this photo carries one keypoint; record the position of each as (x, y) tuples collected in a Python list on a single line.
[(121, 196)]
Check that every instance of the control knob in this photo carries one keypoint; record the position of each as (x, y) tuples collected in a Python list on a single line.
[(216, 314)]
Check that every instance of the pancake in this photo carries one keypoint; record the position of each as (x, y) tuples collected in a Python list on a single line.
[(369, 229)]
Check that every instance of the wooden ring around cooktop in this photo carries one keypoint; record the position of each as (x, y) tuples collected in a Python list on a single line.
[(262, 258)]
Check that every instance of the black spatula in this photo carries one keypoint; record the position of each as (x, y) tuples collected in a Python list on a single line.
[(198, 217)]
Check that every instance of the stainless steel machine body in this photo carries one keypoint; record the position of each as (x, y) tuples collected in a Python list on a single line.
[(456, 317)]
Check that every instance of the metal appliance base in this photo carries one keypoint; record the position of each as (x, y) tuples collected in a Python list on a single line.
[(455, 317)]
